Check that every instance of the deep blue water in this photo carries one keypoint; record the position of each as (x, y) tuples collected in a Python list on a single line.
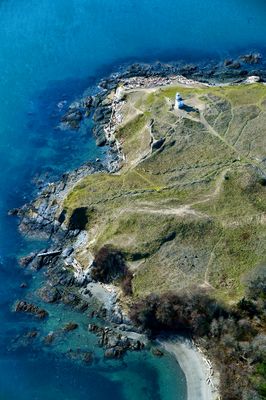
[(52, 50)]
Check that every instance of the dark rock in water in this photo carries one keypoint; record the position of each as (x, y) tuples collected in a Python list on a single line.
[(188, 69), (92, 328), (29, 308), (99, 135), (230, 74), (72, 118), (99, 114), (49, 338), (82, 306), (96, 101), (115, 344), (32, 334), (108, 84), (157, 352), (13, 211), (87, 101), (114, 353), (37, 263), (44, 258), (23, 285), (87, 357), (71, 326), (49, 294), (25, 261), (251, 58)]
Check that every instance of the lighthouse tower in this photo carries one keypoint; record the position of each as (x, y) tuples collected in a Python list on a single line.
[(179, 104)]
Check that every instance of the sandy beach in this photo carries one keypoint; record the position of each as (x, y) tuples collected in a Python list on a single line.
[(202, 382)]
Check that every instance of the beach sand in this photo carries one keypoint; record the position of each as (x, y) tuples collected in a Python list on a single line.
[(202, 381)]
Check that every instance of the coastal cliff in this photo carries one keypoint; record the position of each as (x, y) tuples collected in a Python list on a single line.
[(178, 207)]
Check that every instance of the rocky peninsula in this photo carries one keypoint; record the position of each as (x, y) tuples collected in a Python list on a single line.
[(177, 207)]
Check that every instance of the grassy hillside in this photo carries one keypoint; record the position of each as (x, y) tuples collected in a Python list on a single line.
[(191, 210)]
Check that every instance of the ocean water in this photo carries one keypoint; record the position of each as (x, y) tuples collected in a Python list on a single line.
[(52, 50)]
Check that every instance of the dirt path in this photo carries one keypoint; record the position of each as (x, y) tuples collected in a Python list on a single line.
[(177, 211)]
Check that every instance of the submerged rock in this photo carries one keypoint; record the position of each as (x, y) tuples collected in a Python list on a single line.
[(157, 352), (80, 355), (114, 353), (48, 339), (71, 326)]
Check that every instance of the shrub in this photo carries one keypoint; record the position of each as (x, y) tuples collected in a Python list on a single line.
[(126, 283), (108, 265), (179, 313)]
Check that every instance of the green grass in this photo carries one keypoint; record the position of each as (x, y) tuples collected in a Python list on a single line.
[(220, 182)]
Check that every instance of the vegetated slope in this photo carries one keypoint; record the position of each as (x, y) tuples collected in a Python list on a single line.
[(188, 206)]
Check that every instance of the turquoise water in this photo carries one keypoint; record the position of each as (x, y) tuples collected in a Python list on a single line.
[(52, 50)]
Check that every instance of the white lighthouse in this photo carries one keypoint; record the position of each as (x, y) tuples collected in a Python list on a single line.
[(178, 101)]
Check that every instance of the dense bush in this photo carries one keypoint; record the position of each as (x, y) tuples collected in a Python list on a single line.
[(180, 313), (234, 338), (108, 265)]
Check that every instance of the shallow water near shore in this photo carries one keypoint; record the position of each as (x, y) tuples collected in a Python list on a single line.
[(51, 51)]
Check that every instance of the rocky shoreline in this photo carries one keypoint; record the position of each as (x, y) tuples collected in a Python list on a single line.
[(67, 281)]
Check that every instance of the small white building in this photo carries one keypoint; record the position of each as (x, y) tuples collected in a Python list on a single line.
[(179, 104)]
